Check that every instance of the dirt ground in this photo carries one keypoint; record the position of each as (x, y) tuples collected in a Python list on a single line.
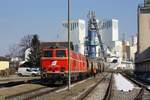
[(18, 89)]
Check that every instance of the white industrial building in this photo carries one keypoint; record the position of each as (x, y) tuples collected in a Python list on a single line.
[(77, 34), (133, 47), (115, 51), (109, 31), (111, 43), (133, 40), (133, 50)]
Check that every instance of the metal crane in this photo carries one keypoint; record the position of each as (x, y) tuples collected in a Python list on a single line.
[(93, 27)]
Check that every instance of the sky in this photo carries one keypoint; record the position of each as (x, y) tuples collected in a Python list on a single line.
[(19, 18)]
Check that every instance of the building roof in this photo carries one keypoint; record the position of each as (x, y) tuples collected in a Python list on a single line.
[(3, 59)]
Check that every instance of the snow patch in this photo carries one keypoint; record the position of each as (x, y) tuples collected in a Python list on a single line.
[(148, 87), (122, 83)]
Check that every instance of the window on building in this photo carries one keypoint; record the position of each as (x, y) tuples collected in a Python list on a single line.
[(107, 24), (65, 25), (71, 26), (75, 25), (147, 1)]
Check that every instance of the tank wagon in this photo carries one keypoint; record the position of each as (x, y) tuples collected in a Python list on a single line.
[(54, 63)]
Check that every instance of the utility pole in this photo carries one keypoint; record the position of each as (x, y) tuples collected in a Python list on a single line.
[(69, 68)]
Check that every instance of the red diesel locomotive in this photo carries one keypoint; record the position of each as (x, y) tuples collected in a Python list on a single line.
[(54, 63)]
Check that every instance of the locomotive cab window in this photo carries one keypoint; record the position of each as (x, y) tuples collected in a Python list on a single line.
[(60, 53), (48, 53)]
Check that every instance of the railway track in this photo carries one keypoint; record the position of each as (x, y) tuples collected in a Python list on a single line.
[(144, 93), (38, 93), (109, 89), (32, 94), (15, 83), (91, 89)]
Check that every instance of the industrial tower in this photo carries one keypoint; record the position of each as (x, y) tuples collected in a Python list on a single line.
[(93, 32)]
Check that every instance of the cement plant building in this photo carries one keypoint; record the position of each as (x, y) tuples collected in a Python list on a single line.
[(109, 31), (77, 32), (142, 60)]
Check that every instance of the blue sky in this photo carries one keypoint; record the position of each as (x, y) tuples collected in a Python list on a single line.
[(43, 17)]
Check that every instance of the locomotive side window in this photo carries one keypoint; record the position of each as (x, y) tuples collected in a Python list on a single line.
[(60, 53), (48, 53)]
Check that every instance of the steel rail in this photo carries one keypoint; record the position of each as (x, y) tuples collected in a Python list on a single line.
[(15, 83), (86, 93), (136, 82), (140, 94), (34, 93), (109, 89), (31, 94), (143, 87)]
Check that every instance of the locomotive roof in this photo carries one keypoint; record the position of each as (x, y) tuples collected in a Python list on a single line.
[(55, 44), (55, 48)]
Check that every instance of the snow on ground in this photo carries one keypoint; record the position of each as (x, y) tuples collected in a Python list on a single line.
[(122, 83), (148, 87)]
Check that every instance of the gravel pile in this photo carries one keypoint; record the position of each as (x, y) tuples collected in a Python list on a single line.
[(124, 95)]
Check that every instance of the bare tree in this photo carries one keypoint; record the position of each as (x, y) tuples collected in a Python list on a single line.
[(25, 44), (13, 50)]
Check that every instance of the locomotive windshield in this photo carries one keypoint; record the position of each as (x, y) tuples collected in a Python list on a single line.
[(60, 53), (48, 53)]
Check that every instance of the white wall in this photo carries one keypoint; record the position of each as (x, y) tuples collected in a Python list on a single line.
[(77, 34), (4, 65), (116, 47), (114, 30), (109, 30), (133, 50)]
